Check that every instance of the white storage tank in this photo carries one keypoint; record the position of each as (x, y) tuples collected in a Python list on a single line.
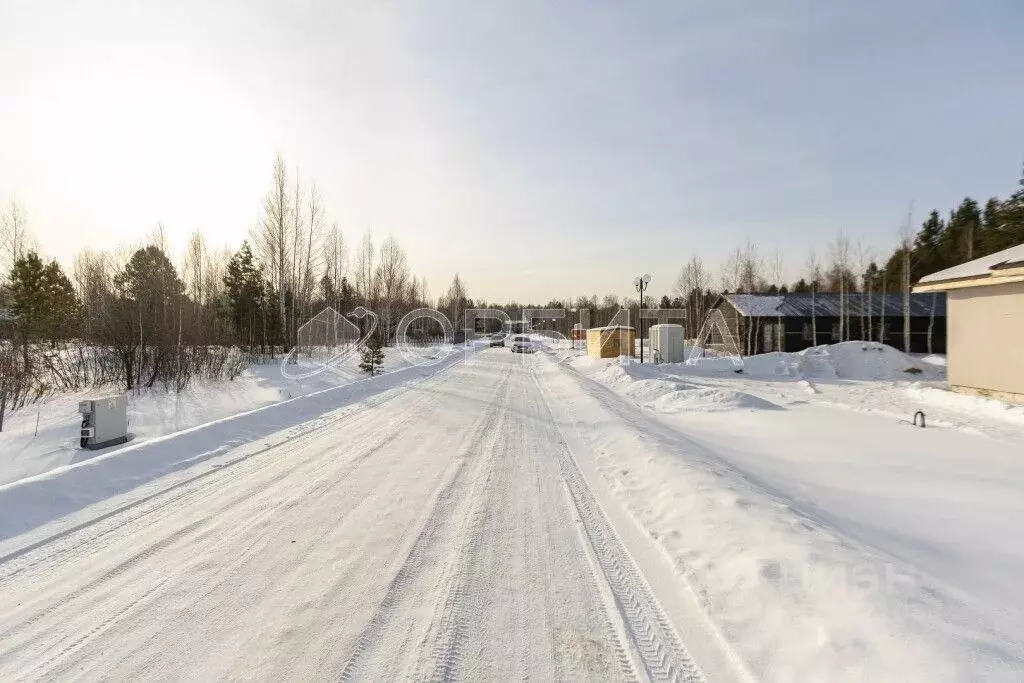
[(667, 343)]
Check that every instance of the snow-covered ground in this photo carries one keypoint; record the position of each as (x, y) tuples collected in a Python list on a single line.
[(44, 435), (436, 530), (817, 476), (542, 516)]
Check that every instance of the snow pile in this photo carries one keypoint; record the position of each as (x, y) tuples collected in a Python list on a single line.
[(854, 360), (866, 361), (631, 382), (655, 387), (714, 364), (775, 364), (709, 399), (975, 406)]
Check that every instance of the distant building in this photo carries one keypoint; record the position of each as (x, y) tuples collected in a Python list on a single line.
[(986, 323), (760, 323)]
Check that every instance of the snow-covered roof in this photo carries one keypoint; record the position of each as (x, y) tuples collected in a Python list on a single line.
[(756, 305), (826, 304), (614, 327), (984, 267)]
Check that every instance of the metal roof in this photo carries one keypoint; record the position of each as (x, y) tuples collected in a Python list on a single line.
[(756, 305), (979, 267), (827, 304)]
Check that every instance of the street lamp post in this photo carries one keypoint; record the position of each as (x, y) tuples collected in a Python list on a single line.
[(641, 283), (572, 328)]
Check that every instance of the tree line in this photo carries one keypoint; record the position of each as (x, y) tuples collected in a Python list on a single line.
[(968, 231), (133, 318)]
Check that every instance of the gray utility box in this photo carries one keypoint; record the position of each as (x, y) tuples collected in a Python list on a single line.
[(104, 421), (667, 343)]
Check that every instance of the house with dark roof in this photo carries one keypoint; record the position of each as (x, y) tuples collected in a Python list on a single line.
[(760, 323), (986, 323)]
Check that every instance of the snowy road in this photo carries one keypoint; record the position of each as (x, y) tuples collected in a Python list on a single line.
[(446, 533)]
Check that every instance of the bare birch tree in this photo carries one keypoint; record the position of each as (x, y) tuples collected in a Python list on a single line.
[(393, 275), (453, 303), (691, 286), (751, 267), (864, 256), (272, 234), (335, 261), (194, 268), (365, 270), (840, 250), (13, 236), (814, 279), (777, 274), (314, 238), (729, 275), (906, 244)]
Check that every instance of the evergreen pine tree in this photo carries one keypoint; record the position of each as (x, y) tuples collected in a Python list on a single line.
[(372, 357), (1011, 214), (989, 238), (958, 243), (928, 253), (245, 294), (43, 302)]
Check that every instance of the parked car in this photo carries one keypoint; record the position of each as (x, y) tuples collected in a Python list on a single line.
[(523, 344), (497, 339)]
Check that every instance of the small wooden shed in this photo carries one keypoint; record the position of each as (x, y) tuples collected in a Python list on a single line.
[(610, 342)]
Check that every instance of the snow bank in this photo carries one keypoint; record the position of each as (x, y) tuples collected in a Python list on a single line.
[(823, 544), (977, 406), (631, 382), (89, 478), (709, 399), (854, 360), (28, 447), (793, 600), (655, 387)]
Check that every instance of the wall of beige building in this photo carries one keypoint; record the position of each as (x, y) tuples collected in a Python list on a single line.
[(986, 340)]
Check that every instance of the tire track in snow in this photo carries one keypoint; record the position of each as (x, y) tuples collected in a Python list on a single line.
[(449, 503), (456, 613), (658, 647)]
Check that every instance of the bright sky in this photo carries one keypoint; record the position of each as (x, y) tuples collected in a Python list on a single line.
[(542, 149)]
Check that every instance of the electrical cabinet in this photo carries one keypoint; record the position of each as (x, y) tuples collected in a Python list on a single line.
[(667, 343), (104, 421)]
